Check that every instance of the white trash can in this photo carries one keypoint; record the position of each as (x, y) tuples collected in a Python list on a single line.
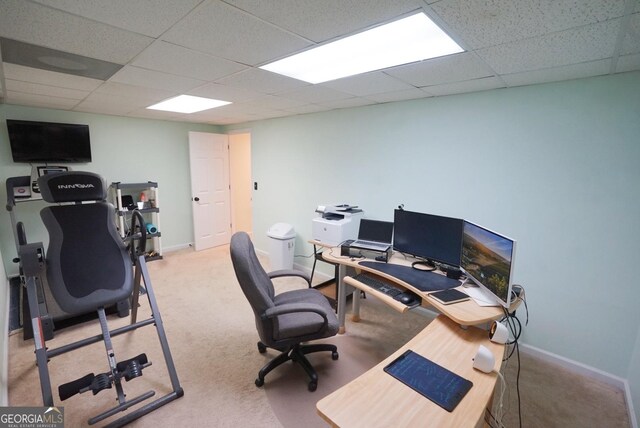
[(281, 246)]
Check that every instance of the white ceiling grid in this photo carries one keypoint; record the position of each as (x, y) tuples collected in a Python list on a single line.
[(213, 48)]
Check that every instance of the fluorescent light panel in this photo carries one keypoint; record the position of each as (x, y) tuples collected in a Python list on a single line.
[(187, 104), (410, 39)]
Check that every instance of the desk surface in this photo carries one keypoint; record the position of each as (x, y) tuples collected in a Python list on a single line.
[(376, 399), (464, 313)]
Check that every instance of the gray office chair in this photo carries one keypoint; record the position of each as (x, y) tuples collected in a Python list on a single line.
[(88, 267), (285, 320)]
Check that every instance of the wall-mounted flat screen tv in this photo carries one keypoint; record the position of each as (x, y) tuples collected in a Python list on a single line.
[(47, 142)]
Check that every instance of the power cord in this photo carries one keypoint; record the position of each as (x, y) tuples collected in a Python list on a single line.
[(516, 328)]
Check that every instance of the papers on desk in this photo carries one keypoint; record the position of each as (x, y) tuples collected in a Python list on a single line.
[(478, 295)]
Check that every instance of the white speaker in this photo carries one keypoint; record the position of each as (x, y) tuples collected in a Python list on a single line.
[(498, 333), (484, 360)]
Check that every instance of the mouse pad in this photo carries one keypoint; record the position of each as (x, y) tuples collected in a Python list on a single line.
[(433, 381)]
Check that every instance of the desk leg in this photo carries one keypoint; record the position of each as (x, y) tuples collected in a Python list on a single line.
[(342, 298), (355, 317)]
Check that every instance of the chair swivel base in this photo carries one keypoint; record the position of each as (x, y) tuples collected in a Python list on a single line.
[(296, 353)]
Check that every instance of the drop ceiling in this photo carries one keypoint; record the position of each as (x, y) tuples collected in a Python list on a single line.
[(213, 48)]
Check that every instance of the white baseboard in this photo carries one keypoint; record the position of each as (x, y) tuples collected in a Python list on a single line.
[(176, 247), (587, 371)]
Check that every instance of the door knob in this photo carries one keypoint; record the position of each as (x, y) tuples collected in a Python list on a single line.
[(196, 199)]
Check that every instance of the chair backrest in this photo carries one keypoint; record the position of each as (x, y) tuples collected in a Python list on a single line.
[(88, 265), (254, 281)]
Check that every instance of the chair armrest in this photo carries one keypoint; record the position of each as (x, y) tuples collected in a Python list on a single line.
[(289, 272), (290, 308)]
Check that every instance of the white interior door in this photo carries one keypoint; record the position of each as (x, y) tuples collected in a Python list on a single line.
[(209, 157)]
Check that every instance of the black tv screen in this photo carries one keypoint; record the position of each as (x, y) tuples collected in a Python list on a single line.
[(48, 142), (428, 236)]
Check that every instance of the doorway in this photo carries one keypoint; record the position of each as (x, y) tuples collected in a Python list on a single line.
[(241, 183)]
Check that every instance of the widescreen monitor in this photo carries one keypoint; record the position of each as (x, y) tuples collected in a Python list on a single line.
[(48, 142), (487, 259), (427, 236)]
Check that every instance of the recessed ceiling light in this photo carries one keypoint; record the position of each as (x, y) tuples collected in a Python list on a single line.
[(411, 39), (187, 104)]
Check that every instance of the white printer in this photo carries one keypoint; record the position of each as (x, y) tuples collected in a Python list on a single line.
[(336, 223)]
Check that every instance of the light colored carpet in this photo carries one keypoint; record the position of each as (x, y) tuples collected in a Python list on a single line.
[(211, 331)]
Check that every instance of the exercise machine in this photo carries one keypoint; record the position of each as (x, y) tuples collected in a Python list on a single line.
[(88, 267)]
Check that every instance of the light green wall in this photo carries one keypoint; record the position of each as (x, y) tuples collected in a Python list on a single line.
[(123, 149), (555, 166)]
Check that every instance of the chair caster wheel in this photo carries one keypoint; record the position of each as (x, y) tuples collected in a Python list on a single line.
[(262, 348), (313, 386), (259, 382), (334, 356)]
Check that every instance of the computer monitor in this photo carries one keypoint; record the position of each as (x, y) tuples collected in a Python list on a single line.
[(487, 259), (431, 237)]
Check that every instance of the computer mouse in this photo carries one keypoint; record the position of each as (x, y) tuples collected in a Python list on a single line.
[(406, 299)]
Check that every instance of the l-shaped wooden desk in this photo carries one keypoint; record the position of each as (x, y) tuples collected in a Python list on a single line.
[(375, 399), (464, 313)]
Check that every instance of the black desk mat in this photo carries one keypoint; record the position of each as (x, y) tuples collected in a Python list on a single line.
[(420, 279)]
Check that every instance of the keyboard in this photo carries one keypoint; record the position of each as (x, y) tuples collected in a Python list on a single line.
[(422, 280), (370, 245), (388, 289)]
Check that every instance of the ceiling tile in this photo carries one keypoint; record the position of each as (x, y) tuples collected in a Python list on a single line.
[(154, 79), (112, 106), (148, 17), (40, 25), (466, 86), (369, 83), (409, 94), (172, 59), (326, 19), (451, 68), (274, 102), (130, 91), (628, 63), (308, 108), (224, 31), (348, 102), (482, 23), (315, 94), (224, 93), (631, 40), (47, 90), (588, 43), (51, 78), (157, 114), (572, 71), (263, 81), (44, 101)]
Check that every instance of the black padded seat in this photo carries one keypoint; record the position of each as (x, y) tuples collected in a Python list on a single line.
[(88, 265)]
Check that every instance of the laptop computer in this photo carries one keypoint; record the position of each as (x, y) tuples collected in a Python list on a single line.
[(374, 235)]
